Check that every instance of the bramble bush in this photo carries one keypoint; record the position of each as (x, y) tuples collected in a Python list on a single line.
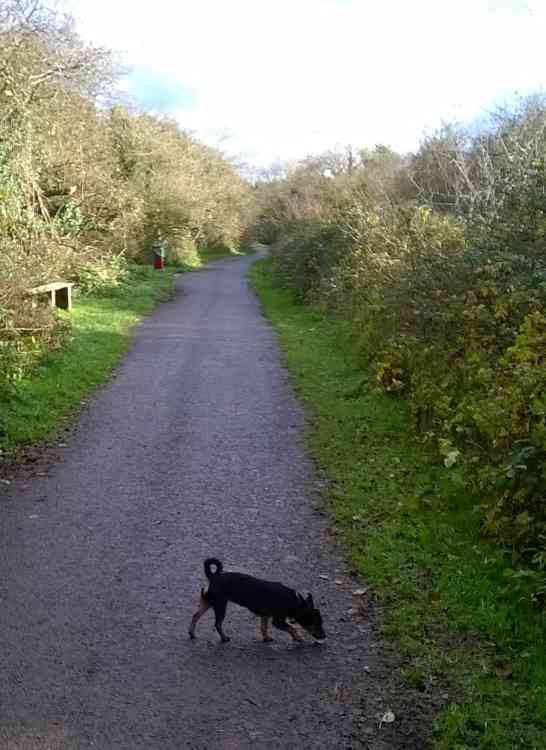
[(84, 187), (438, 261)]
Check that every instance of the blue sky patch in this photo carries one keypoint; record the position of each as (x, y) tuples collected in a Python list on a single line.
[(159, 92)]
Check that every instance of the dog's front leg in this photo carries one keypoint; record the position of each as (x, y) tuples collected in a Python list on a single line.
[(283, 625), (264, 623), (223, 636), (294, 633)]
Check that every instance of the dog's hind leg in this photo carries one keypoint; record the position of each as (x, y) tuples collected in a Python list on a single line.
[(220, 613), (264, 624), (204, 605)]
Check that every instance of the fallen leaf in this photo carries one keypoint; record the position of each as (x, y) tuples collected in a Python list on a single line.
[(253, 702), (504, 670), (451, 458), (387, 718), (360, 592)]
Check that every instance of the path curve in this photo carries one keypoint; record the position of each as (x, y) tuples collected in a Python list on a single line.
[(193, 449)]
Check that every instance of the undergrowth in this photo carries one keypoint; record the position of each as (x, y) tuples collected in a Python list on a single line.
[(98, 335), (464, 622)]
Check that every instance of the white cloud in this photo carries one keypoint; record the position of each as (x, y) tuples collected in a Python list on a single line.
[(288, 77)]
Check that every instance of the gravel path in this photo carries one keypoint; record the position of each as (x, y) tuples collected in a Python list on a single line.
[(194, 449)]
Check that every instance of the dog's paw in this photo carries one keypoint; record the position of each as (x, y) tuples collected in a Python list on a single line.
[(226, 639), (192, 636), (269, 639)]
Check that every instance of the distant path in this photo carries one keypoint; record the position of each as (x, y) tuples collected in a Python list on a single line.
[(194, 448)]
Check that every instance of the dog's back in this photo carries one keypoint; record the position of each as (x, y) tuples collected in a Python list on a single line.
[(264, 598)]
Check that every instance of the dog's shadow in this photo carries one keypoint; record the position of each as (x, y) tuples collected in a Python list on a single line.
[(208, 649)]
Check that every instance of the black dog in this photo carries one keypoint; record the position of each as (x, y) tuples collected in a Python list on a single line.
[(264, 598)]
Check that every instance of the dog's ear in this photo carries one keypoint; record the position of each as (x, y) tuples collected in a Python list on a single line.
[(301, 600), (309, 601)]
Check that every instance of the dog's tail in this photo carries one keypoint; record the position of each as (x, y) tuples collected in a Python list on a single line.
[(210, 561)]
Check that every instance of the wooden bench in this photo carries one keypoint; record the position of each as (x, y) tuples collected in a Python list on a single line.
[(59, 293)]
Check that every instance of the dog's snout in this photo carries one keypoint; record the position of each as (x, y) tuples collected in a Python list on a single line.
[(318, 634)]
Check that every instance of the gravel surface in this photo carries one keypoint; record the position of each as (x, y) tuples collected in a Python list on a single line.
[(194, 448)]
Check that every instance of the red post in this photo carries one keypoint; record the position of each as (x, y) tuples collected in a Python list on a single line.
[(158, 249)]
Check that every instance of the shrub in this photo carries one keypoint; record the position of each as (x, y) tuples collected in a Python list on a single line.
[(83, 187), (102, 275), (440, 270)]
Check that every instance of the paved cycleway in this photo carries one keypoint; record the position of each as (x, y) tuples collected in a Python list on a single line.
[(194, 448)]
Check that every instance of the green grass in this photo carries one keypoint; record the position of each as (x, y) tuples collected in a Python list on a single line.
[(99, 336), (462, 625), (207, 256)]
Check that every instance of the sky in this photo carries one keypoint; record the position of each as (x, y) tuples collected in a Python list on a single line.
[(275, 80)]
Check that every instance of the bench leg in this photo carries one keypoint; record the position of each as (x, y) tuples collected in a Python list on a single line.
[(63, 298)]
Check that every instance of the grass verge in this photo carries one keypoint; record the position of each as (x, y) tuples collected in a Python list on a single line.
[(462, 624), (99, 336), (207, 256)]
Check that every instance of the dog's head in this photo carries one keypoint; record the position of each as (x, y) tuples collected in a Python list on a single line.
[(310, 618)]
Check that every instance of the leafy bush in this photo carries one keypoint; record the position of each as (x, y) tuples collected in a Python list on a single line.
[(83, 187), (307, 254), (440, 270), (24, 338), (183, 251), (102, 275)]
